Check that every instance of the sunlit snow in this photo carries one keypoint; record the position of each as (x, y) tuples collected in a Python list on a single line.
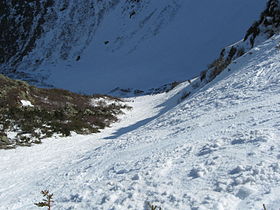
[(218, 149)]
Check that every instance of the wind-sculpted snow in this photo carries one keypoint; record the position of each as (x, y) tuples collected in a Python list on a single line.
[(218, 149)]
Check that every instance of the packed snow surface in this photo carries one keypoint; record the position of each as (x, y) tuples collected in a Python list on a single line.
[(218, 149)]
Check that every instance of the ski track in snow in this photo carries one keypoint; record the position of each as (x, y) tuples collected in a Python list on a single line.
[(218, 149)]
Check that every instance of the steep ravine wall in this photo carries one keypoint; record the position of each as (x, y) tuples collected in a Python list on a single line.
[(33, 32), (120, 43)]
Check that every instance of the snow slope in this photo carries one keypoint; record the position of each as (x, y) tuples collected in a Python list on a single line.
[(218, 149), (175, 39)]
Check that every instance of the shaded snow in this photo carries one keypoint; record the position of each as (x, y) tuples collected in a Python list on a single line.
[(163, 42)]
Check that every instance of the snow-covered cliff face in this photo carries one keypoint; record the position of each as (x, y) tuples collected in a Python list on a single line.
[(267, 25), (111, 43), (261, 30), (47, 32), (21, 24)]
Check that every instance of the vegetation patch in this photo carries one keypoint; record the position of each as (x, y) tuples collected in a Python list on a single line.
[(29, 114)]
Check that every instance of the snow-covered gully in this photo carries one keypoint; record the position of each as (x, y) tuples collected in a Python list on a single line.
[(218, 149)]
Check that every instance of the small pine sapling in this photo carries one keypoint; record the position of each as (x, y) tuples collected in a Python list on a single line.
[(153, 207), (47, 200)]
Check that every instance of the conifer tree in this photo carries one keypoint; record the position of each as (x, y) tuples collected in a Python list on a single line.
[(47, 200)]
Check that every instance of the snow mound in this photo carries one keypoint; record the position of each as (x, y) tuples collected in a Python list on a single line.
[(26, 103)]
